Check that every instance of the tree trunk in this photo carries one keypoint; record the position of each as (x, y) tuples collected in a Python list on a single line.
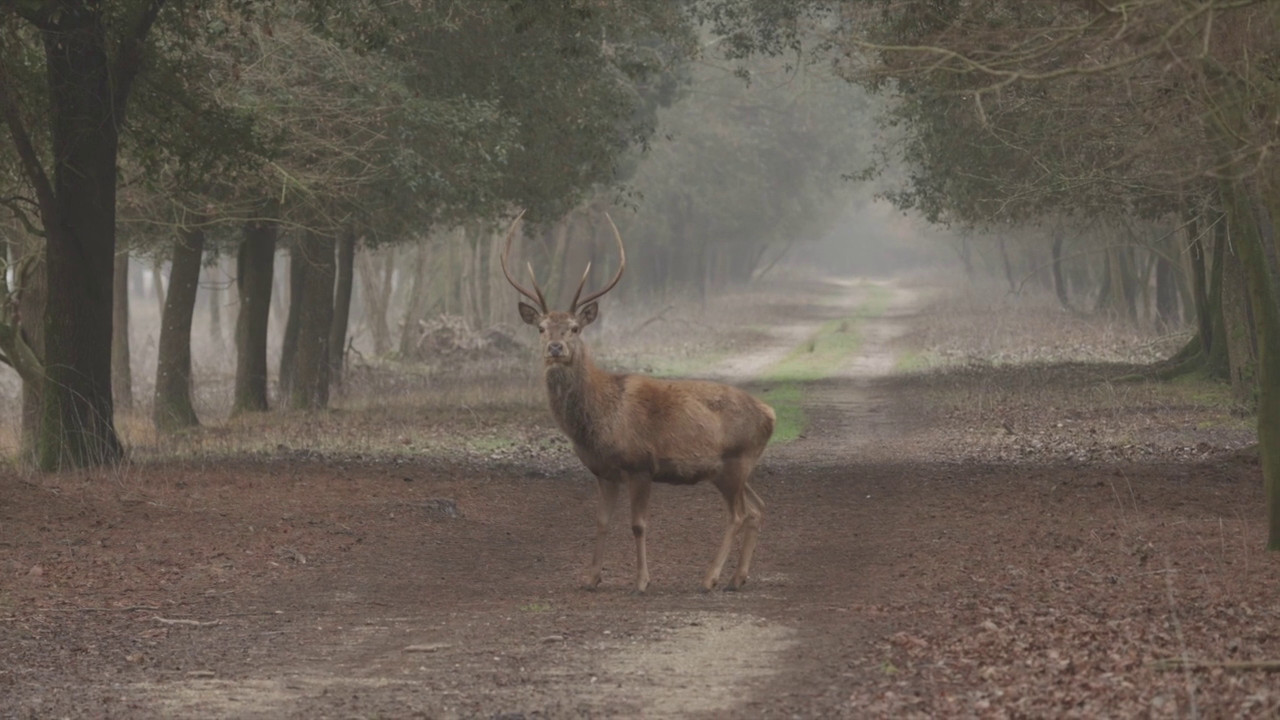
[(554, 286), (1217, 363), (1008, 268), (157, 278), (342, 304), (414, 303), (1059, 284), (466, 276), (1128, 278), (173, 409), (377, 298), (214, 299), (121, 370), (310, 388), (1199, 282), (966, 256), (1255, 234), (1167, 288), (33, 295), (79, 218), (255, 266), (1239, 337), (1207, 351), (289, 343), (1106, 291), (500, 303)]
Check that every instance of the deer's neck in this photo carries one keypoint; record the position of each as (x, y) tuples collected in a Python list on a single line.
[(583, 397)]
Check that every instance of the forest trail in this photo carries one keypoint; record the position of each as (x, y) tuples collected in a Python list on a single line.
[(675, 653), (933, 546)]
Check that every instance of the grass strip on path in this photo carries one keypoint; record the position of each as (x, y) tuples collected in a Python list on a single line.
[(829, 349)]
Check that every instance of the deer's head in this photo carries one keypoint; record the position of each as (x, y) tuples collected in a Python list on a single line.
[(561, 332)]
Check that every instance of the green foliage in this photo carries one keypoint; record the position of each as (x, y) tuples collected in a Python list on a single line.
[(576, 88)]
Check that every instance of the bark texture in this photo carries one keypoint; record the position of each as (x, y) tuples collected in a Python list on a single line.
[(310, 388), (255, 263), (173, 409), (121, 367), (344, 284)]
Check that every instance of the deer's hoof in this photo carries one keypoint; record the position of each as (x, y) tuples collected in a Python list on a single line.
[(591, 582), (709, 584), (736, 584)]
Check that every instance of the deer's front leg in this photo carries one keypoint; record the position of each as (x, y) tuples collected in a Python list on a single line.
[(604, 513), (639, 486)]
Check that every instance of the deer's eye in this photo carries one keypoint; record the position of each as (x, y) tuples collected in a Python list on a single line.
[(541, 329), (574, 329)]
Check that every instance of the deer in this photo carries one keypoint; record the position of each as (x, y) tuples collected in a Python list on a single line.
[(634, 430)]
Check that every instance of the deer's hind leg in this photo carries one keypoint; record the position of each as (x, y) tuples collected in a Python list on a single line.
[(604, 513), (743, 513)]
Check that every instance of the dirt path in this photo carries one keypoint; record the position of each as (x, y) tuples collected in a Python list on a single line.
[(932, 548), (838, 298)]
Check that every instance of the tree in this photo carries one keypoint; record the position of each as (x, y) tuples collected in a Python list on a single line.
[(173, 409), (255, 262), (1029, 107), (66, 136)]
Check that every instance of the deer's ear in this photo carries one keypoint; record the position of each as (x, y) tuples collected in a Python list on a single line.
[(530, 314), (588, 313)]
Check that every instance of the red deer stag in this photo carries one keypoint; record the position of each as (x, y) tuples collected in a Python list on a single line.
[(636, 430)]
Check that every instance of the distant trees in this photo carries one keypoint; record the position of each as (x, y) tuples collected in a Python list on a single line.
[(1130, 113), (1117, 115), (746, 169), (296, 124)]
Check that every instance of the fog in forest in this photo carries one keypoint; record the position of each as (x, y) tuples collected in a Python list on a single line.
[(749, 179), (948, 340)]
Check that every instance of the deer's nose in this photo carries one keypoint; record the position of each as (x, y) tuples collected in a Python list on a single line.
[(555, 349)]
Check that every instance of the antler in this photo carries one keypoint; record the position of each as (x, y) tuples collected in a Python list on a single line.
[(622, 264), (536, 295)]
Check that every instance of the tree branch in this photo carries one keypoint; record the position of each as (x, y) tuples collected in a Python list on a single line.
[(128, 61), (16, 352), (36, 12), (18, 212), (26, 151)]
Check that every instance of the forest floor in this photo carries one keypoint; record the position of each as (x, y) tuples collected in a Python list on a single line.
[(975, 520)]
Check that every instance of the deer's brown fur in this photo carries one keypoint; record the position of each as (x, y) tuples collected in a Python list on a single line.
[(634, 430)]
